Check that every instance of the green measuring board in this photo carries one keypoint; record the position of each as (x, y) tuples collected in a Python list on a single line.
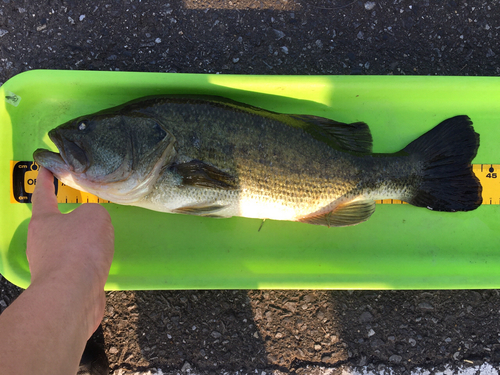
[(400, 247)]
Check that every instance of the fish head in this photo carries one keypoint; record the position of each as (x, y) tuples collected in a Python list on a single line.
[(117, 157)]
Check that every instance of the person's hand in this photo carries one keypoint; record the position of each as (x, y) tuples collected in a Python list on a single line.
[(72, 250)]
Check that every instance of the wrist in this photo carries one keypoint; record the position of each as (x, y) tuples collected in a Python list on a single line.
[(82, 301)]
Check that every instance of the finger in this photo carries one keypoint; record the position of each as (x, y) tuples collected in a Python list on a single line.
[(44, 197)]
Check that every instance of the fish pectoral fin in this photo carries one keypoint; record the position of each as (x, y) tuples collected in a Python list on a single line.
[(200, 174), (351, 213), (354, 137), (201, 209)]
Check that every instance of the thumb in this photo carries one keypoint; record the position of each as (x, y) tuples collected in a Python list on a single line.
[(44, 198)]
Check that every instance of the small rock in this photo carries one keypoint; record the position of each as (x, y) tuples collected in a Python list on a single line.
[(256, 334), (3, 32), (320, 315), (317, 347), (3, 303), (112, 57), (376, 343), (490, 53), (272, 358), (366, 317), (326, 357), (279, 34), (236, 59), (369, 5), (113, 350), (279, 335), (362, 361), (395, 358), (186, 367), (412, 342), (157, 40), (285, 50), (319, 44), (82, 17), (71, 20), (371, 332), (292, 306), (361, 35), (216, 334), (425, 306), (269, 315)]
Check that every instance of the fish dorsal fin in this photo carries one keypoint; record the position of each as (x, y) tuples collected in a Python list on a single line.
[(197, 173), (355, 137), (351, 213)]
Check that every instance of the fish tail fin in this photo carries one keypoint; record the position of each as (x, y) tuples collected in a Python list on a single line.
[(448, 182)]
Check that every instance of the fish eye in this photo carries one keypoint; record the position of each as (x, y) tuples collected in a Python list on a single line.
[(82, 125)]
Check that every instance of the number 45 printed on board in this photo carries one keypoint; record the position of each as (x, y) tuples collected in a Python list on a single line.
[(488, 175)]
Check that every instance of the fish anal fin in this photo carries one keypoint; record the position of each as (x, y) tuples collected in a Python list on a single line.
[(200, 174), (350, 213), (201, 209), (354, 137)]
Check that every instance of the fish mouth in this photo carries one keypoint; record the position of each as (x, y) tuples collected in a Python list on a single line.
[(50, 160), (72, 158)]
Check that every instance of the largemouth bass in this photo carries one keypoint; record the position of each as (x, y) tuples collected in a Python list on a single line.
[(211, 156)]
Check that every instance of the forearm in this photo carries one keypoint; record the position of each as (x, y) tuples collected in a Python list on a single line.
[(45, 330)]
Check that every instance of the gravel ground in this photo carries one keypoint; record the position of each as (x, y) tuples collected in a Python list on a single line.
[(280, 332)]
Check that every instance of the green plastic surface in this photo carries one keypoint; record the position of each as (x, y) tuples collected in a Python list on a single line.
[(400, 247)]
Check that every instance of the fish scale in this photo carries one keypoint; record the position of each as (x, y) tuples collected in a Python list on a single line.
[(276, 143)]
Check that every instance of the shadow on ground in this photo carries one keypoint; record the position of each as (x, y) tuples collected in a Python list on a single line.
[(173, 330)]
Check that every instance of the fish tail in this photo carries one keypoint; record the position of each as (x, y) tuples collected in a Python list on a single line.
[(447, 181)]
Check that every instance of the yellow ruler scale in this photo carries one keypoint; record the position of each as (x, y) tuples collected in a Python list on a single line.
[(24, 173), (489, 174), (23, 180)]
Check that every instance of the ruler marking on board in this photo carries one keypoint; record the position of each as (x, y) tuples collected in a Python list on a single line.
[(23, 176), (23, 180)]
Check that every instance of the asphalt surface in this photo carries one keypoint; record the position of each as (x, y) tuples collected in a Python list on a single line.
[(210, 332)]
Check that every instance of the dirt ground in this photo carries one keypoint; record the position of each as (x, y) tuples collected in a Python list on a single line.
[(292, 331)]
